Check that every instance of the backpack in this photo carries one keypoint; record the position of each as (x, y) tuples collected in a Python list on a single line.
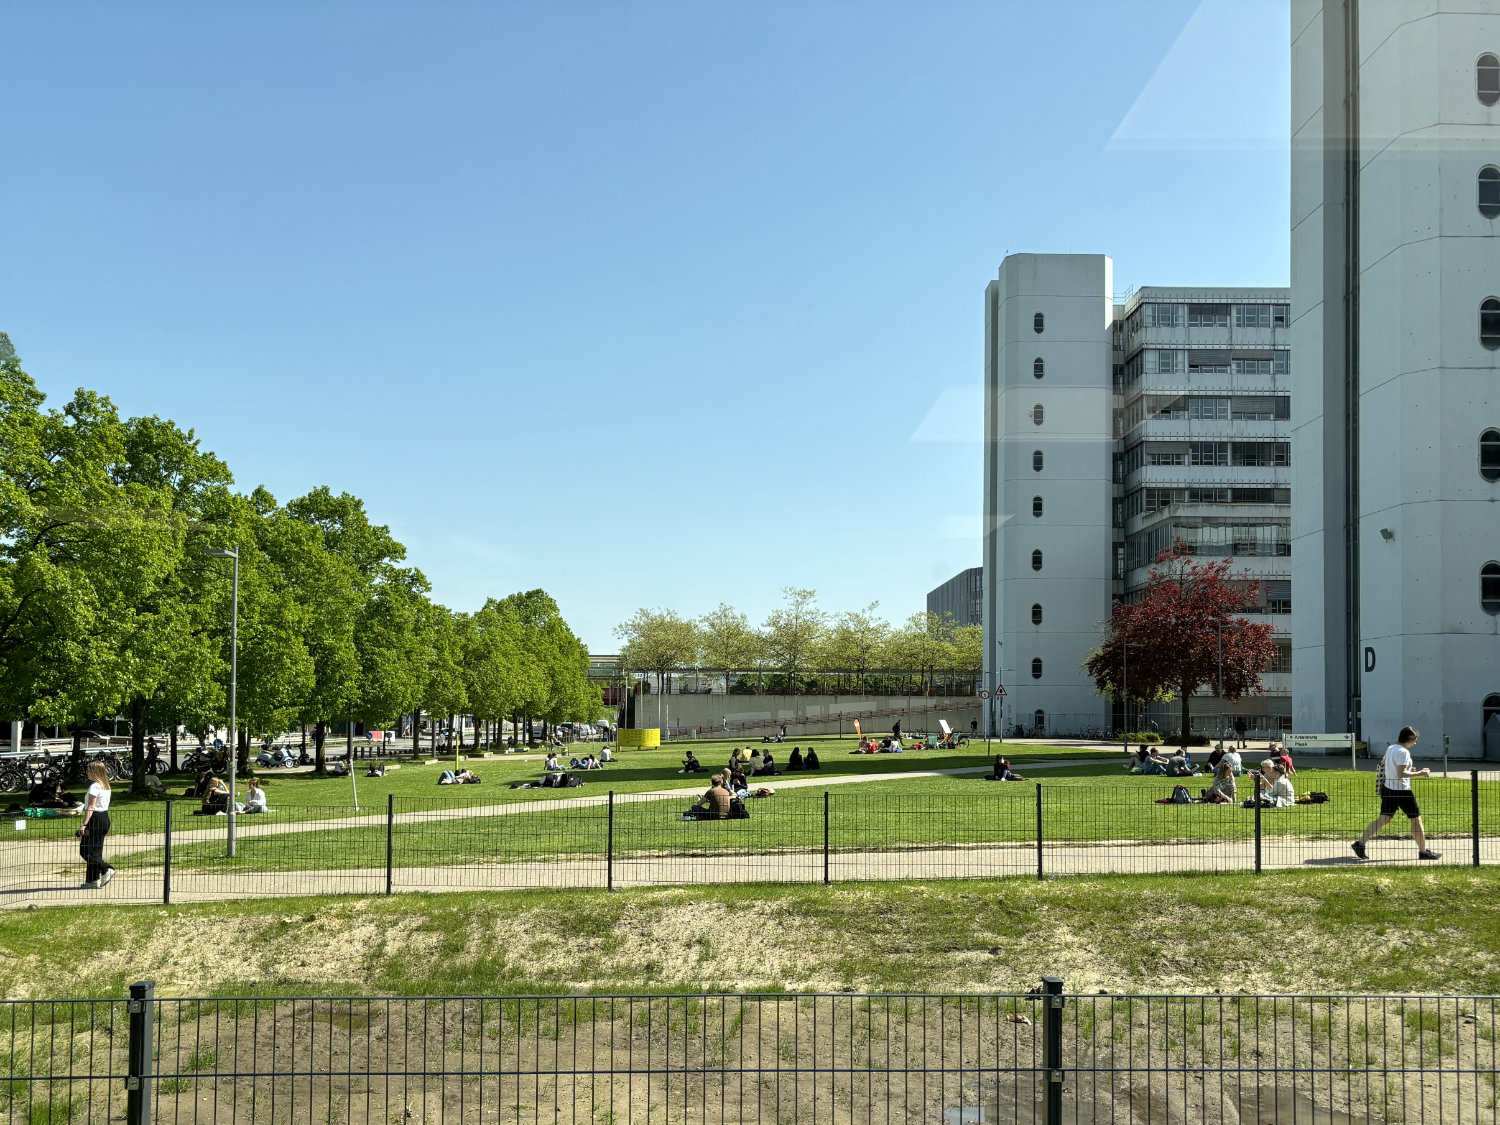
[(570, 781), (1181, 796), (737, 809)]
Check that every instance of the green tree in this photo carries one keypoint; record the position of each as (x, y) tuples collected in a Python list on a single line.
[(854, 643), (660, 642), (727, 642), (793, 633), (924, 645)]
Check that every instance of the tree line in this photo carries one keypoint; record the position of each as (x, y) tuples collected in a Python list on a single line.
[(802, 647), (110, 606)]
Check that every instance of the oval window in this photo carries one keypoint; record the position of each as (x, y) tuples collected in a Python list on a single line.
[(1036, 461), (1036, 613), (1038, 322), (1486, 81), (1036, 560), (1038, 368), (1489, 323), (1489, 455), (1489, 588), (1036, 669), (1489, 191), (1037, 414), (1036, 506)]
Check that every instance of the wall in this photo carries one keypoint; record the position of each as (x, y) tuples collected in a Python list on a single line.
[(708, 712)]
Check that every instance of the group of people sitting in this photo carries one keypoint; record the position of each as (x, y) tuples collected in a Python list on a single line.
[(554, 763), (754, 763), (213, 793), (50, 795), (1147, 761), (1273, 779), (881, 746), (724, 799), (458, 777)]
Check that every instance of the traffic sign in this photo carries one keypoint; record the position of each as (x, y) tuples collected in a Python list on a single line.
[(984, 693), (218, 744), (999, 689), (1307, 741)]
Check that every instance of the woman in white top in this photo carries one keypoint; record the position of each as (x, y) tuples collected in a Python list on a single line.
[(1279, 792), (95, 827), (255, 798)]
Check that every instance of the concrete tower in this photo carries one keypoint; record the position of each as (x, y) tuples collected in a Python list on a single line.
[(1396, 385)]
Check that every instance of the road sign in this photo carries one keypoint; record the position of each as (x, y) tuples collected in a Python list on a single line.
[(1306, 741), (999, 690), (984, 693), (218, 744)]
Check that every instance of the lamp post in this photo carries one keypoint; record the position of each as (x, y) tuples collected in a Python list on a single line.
[(234, 674), (1125, 693)]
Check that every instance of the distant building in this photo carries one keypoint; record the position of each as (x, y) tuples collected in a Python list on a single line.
[(1112, 430), (961, 597)]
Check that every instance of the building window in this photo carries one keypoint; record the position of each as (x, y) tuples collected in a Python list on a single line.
[(1038, 322), (1036, 613), (1280, 315), (1489, 455), (1252, 316), (1039, 720), (1163, 316), (1489, 191), (1208, 316), (1208, 453), (1036, 506), (1038, 368), (1491, 709), (1489, 323), (1036, 560), (1489, 588), (1037, 414), (1036, 461), (1036, 669), (1487, 79)]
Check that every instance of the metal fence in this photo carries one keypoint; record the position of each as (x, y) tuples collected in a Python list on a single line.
[(620, 840), (1041, 1057)]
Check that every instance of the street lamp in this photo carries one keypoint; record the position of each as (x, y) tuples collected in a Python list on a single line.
[(1125, 692), (234, 672)]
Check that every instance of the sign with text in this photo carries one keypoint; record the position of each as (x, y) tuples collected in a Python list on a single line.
[(1305, 741)]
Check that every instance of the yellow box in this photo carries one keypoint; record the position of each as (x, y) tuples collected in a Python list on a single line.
[(646, 738)]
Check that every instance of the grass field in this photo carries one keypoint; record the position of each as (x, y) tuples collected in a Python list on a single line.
[(1432, 930)]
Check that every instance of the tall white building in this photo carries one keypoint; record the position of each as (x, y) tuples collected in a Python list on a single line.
[(1112, 429), (1396, 326)]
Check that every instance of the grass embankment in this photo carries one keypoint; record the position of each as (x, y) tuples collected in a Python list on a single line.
[(1351, 930)]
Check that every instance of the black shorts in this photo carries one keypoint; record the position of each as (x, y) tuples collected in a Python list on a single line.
[(1393, 801)]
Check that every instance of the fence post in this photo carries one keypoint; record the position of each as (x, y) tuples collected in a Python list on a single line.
[(825, 838), (1052, 1046), (1039, 872), (166, 858), (609, 846), (139, 1054), (390, 841), (1257, 824), (1474, 812)]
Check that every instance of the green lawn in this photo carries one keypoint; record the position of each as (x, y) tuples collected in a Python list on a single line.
[(1079, 805), (1305, 931)]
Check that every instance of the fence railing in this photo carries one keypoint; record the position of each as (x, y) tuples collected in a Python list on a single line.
[(534, 839), (1044, 1058)]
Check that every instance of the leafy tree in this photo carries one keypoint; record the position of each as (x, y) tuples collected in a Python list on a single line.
[(657, 641), (854, 642), (727, 641), (794, 632), (1174, 633), (923, 645)]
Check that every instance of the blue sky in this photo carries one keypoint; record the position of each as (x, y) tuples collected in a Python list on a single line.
[(645, 303)]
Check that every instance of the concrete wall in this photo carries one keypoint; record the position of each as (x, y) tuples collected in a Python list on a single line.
[(709, 712)]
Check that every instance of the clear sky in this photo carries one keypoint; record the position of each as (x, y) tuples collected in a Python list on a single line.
[(658, 304)]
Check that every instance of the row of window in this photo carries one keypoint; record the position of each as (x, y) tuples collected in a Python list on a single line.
[(1160, 361), (1154, 499), (1251, 454), (1209, 316), (1281, 662), (1209, 537)]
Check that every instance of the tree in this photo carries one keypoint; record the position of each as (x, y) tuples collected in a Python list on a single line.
[(793, 633), (657, 641), (727, 642), (1174, 634), (968, 649), (854, 643), (923, 646)]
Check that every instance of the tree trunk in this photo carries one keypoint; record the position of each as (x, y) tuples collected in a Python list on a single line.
[(416, 733), (242, 752), (320, 732), (138, 746), (76, 766), (1186, 715), (172, 748)]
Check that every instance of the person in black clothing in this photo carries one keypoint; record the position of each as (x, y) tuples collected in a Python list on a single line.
[(690, 764), (896, 729), (768, 765), (794, 763), (810, 760)]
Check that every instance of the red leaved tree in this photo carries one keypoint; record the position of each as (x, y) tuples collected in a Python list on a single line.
[(1174, 635)]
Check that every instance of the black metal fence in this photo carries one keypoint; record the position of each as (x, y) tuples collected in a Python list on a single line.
[(1042, 1058), (619, 840)]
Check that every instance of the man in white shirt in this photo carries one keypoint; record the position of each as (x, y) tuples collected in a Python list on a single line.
[(1393, 783)]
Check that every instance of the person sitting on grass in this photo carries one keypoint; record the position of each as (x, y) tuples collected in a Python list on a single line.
[(1180, 764), (794, 760), (50, 795), (552, 765), (605, 755), (810, 760), (576, 763), (339, 768), (1223, 791), (690, 764), (756, 762), (215, 797), (1278, 792), (377, 769), (738, 784), (714, 804), (1003, 772), (255, 799), (1138, 758), (768, 765), (1153, 764)]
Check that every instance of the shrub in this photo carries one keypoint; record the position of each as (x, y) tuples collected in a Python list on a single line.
[(1136, 737)]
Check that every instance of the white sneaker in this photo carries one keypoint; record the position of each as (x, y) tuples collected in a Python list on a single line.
[(109, 873)]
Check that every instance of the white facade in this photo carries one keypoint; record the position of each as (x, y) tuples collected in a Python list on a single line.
[(1056, 310), (1392, 258)]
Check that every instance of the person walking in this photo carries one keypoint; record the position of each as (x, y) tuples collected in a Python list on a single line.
[(94, 828), (1393, 783)]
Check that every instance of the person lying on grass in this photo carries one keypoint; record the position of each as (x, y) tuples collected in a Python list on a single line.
[(460, 777)]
